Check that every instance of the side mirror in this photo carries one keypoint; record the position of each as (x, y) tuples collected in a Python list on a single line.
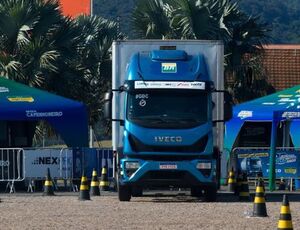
[(228, 102), (108, 105)]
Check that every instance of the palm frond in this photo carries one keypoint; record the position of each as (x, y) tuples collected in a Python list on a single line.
[(150, 19)]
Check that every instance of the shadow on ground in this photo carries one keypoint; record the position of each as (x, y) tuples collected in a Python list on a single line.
[(223, 197)]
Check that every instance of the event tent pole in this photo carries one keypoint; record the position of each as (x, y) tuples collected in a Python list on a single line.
[(272, 160)]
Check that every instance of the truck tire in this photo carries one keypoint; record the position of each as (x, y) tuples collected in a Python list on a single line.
[(124, 192), (137, 191), (210, 194), (196, 191)]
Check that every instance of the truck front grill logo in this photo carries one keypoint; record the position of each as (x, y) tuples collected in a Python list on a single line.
[(168, 139), (169, 67)]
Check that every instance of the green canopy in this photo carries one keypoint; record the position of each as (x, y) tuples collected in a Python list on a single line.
[(20, 102)]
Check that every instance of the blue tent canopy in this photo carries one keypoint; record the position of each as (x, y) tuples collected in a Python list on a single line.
[(281, 105), (19, 102)]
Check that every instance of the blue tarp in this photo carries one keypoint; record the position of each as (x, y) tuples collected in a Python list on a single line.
[(19, 102), (90, 159)]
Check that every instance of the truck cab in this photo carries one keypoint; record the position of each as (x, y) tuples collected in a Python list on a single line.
[(167, 138)]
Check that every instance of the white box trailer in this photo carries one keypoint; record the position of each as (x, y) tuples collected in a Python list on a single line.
[(172, 94)]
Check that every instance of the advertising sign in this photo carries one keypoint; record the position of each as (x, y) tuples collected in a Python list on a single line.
[(39, 160), (256, 161), (169, 85), (67, 163), (74, 8)]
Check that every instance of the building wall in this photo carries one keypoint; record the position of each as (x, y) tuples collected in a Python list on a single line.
[(282, 65), (74, 8)]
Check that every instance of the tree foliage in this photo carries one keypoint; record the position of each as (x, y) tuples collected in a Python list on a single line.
[(243, 35), (42, 48), (151, 20), (283, 17)]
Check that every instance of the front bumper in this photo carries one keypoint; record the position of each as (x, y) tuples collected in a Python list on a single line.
[(168, 173)]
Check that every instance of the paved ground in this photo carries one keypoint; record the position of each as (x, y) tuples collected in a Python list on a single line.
[(159, 210)]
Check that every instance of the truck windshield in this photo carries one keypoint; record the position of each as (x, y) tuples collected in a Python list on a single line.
[(167, 109)]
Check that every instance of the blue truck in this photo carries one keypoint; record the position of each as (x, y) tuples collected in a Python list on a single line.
[(167, 105)]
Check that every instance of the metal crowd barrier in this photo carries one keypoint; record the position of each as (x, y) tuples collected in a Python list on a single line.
[(105, 158), (66, 169), (12, 166), (66, 165), (38, 160)]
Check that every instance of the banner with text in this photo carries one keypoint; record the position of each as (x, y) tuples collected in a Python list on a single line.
[(59, 161), (255, 161)]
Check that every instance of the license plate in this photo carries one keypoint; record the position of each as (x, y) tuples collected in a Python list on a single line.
[(167, 166)]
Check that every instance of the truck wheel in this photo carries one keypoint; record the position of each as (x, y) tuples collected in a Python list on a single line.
[(124, 193), (210, 194), (196, 191), (137, 192)]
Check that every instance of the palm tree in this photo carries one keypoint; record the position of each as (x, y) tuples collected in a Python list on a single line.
[(27, 55), (208, 19), (36, 43), (95, 58), (151, 19), (244, 48), (185, 19), (42, 48), (200, 19)]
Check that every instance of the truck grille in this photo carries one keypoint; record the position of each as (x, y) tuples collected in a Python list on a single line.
[(198, 146)]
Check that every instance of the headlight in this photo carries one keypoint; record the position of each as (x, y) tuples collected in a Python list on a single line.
[(204, 165), (132, 165)]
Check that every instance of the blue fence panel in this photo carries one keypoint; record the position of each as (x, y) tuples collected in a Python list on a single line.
[(84, 159), (92, 158), (105, 158)]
